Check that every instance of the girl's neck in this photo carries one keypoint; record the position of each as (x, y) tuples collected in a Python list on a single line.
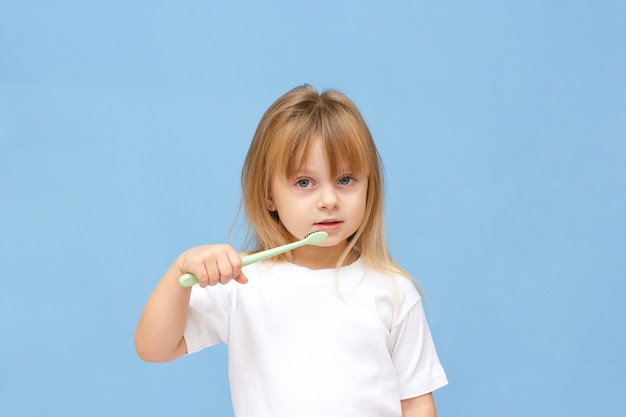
[(318, 257)]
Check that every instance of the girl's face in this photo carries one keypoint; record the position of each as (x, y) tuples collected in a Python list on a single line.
[(315, 200)]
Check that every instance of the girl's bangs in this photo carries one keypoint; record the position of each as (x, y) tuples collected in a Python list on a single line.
[(344, 148)]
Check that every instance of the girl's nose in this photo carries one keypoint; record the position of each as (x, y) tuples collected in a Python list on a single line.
[(328, 198)]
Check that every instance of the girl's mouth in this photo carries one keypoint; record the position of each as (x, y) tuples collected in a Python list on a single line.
[(329, 225)]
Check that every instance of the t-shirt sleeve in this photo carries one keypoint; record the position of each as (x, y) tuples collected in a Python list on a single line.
[(208, 317), (413, 353)]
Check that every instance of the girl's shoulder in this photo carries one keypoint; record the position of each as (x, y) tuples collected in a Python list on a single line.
[(402, 285), (403, 281)]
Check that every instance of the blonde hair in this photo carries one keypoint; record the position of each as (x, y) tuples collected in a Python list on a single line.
[(280, 145)]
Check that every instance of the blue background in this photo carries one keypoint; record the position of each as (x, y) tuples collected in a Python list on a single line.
[(124, 124)]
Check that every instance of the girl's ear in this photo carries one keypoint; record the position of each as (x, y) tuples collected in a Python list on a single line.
[(270, 203)]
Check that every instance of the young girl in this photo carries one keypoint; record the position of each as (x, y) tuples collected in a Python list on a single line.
[(335, 329)]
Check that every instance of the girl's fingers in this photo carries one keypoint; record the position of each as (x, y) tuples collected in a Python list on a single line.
[(212, 271), (226, 270), (241, 278), (216, 264), (235, 262)]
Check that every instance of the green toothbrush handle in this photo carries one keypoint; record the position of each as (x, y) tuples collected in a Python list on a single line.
[(188, 280), (270, 253)]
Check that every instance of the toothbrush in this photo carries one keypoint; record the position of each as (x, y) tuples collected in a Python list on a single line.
[(313, 238)]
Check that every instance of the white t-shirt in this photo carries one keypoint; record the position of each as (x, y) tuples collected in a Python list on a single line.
[(313, 343)]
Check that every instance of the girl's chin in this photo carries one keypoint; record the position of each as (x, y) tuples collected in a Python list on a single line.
[(333, 243)]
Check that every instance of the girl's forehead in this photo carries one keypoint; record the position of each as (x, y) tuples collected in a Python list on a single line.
[(316, 160), (341, 150), (315, 156), (317, 170)]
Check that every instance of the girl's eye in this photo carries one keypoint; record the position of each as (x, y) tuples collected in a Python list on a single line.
[(303, 183), (345, 180)]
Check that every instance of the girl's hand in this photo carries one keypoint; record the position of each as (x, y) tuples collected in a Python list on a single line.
[(212, 264)]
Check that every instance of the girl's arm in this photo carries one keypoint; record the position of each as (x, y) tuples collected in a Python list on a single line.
[(159, 334), (422, 406)]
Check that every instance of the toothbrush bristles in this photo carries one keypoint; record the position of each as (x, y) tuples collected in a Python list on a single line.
[(316, 237)]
